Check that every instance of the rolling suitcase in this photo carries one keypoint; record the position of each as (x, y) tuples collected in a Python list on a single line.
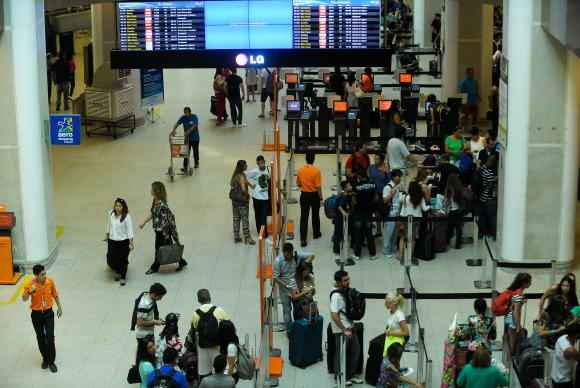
[(530, 364), (439, 236), (358, 329), (373, 367), (424, 245), (305, 345)]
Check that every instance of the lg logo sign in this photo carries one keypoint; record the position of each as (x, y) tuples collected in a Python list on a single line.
[(251, 60)]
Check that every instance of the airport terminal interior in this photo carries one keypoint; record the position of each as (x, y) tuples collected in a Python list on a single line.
[(437, 69)]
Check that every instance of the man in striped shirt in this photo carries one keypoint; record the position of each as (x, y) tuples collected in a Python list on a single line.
[(488, 197)]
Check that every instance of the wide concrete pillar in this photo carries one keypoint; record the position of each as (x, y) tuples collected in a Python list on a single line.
[(450, 46), (25, 181), (419, 22), (539, 169)]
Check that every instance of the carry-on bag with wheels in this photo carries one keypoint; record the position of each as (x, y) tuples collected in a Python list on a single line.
[(213, 105), (424, 244), (305, 345), (530, 364), (439, 235), (373, 367)]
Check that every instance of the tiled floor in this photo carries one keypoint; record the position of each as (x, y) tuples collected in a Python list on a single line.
[(95, 347)]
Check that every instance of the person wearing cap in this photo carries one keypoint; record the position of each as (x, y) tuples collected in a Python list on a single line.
[(42, 293)]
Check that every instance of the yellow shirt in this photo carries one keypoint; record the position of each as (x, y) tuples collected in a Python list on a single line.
[(218, 313)]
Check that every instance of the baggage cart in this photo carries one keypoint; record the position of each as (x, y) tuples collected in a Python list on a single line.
[(178, 149)]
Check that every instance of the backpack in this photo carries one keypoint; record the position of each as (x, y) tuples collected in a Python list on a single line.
[(207, 329), (466, 164), (246, 366), (356, 303), (163, 380), (136, 309), (331, 207), (500, 304)]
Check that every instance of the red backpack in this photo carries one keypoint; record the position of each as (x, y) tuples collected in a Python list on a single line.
[(501, 304)]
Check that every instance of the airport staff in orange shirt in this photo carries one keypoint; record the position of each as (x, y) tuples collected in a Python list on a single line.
[(42, 294), (309, 181)]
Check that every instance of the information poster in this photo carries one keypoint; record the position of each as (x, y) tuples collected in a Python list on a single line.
[(502, 136), (65, 129), (152, 89)]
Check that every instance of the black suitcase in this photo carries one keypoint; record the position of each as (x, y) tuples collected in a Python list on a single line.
[(373, 367), (530, 365), (212, 105), (331, 347), (424, 245)]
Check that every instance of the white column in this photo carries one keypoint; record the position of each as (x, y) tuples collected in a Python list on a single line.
[(97, 35), (450, 38), (26, 32), (419, 22), (570, 166), (516, 158), (486, 57)]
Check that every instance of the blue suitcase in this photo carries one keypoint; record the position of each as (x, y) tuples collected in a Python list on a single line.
[(305, 345)]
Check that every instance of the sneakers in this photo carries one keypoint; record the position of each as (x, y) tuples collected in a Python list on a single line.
[(389, 257), (373, 258), (242, 125), (123, 282), (261, 116), (354, 380), (357, 258)]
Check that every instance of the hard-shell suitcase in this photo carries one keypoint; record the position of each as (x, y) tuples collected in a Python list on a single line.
[(358, 329), (373, 367), (439, 236), (424, 244), (433, 67), (305, 345), (530, 365)]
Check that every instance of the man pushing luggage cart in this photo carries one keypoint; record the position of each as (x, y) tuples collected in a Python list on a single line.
[(190, 140)]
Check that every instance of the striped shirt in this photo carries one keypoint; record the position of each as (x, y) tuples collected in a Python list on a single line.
[(488, 189), (517, 297)]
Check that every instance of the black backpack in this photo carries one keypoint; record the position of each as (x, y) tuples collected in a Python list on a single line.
[(163, 380), (207, 329), (356, 303)]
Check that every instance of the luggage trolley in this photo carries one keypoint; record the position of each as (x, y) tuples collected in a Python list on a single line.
[(178, 149)]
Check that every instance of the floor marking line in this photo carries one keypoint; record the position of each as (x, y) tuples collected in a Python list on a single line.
[(17, 292)]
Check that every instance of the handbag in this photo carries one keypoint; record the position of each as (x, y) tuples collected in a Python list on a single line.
[(133, 376), (169, 254), (237, 194)]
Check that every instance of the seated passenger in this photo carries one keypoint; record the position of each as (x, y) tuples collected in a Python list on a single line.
[(390, 375), (480, 372), (303, 297)]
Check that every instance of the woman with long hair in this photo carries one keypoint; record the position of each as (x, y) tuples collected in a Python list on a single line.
[(396, 329), (303, 298), (229, 343), (351, 89), (119, 239), (513, 318), (454, 203), (413, 205), (219, 89), (169, 337), (145, 360), (163, 224), (240, 198), (421, 178), (566, 288)]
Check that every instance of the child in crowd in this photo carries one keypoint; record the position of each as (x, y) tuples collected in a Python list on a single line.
[(344, 207), (169, 338)]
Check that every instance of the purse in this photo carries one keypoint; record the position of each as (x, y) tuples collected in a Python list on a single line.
[(237, 194), (133, 376), (169, 254)]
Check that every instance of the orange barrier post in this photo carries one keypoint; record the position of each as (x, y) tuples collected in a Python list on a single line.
[(7, 274)]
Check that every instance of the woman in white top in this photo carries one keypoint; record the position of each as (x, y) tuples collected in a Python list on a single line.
[(396, 322), (413, 205), (476, 144), (120, 239)]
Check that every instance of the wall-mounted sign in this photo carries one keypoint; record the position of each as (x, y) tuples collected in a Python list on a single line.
[(65, 129)]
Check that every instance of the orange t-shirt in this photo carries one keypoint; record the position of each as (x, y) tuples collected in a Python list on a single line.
[(308, 178), (367, 83), (43, 297)]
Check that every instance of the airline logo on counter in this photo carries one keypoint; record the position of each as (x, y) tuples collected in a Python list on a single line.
[(65, 129)]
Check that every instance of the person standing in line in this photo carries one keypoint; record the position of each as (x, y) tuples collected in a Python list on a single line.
[(390, 373), (191, 133), (219, 89), (436, 31), (240, 198), (71, 73), (265, 94), (351, 89), (163, 224), (455, 204), (363, 206), (251, 84), (367, 84), (359, 158), (61, 78), (392, 198), (42, 293), (309, 181), (169, 374), (454, 145), (284, 275), (259, 182), (236, 95), (205, 324), (219, 379), (146, 361), (476, 143), (146, 314), (342, 326), (413, 205), (469, 85), (565, 358), (397, 150), (344, 205), (119, 239), (487, 196), (396, 329)]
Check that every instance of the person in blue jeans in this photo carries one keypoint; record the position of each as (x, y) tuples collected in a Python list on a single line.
[(168, 372), (392, 198), (191, 133)]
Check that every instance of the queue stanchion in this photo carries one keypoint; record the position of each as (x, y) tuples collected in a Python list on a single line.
[(484, 282), (420, 354), (341, 367), (428, 374), (553, 272), (291, 200)]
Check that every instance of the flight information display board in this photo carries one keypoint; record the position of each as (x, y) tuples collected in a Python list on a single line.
[(248, 24)]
